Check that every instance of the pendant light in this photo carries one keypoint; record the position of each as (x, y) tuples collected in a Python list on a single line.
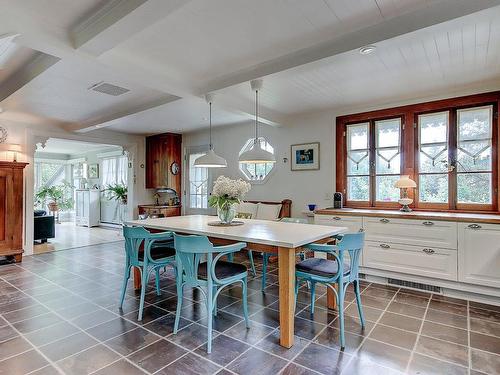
[(210, 159), (256, 154)]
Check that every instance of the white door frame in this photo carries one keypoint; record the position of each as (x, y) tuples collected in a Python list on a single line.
[(187, 210), (40, 136)]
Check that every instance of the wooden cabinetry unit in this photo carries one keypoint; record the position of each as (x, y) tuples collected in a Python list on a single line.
[(163, 158), (154, 210), (479, 254), (11, 209)]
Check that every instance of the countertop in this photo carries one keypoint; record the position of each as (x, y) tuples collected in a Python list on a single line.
[(487, 218)]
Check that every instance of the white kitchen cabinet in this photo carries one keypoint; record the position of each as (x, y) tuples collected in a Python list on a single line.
[(415, 260), (423, 233), (353, 223), (87, 207), (479, 254)]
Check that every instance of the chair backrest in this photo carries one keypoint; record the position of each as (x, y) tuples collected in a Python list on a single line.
[(297, 220), (353, 243), (189, 250), (134, 238)]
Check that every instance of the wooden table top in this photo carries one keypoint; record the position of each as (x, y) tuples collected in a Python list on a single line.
[(266, 232)]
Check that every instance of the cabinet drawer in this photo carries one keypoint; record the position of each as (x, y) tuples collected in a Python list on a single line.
[(353, 223), (479, 254), (424, 233), (417, 260)]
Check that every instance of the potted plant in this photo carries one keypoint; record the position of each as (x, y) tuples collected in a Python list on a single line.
[(117, 192), (58, 197), (225, 195)]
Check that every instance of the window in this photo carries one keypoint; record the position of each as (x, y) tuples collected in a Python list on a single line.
[(198, 183), (114, 170), (449, 147), (373, 161), (256, 173)]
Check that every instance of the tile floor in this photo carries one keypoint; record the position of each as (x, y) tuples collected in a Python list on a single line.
[(59, 314)]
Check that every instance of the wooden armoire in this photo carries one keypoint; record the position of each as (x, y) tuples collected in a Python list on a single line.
[(11, 209)]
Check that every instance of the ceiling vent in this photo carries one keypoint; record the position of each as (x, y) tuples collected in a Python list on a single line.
[(109, 89)]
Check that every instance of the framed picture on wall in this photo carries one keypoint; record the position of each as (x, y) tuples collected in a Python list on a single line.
[(305, 157), (93, 171)]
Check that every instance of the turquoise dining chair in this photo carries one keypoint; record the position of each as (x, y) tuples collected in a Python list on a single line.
[(328, 272), (158, 252), (210, 275), (266, 256)]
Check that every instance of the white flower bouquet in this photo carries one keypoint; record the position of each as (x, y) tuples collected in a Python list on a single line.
[(225, 195)]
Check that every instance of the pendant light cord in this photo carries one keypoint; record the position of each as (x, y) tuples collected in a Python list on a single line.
[(210, 115), (256, 116)]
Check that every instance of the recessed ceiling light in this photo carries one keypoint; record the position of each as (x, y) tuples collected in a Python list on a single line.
[(366, 50)]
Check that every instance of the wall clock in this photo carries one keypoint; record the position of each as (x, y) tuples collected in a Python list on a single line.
[(174, 168), (3, 134)]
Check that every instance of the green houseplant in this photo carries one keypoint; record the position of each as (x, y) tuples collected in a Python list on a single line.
[(58, 197), (117, 192)]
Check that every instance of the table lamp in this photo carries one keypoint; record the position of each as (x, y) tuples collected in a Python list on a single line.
[(405, 183)]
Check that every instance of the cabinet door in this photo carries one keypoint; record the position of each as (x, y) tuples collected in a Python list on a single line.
[(479, 254), (153, 162), (353, 223), (426, 233), (413, 260), (6, 199)]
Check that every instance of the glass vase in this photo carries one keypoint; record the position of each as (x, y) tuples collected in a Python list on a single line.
[(226, 214)]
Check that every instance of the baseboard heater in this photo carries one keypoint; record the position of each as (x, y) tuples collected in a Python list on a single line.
[(414, 285)]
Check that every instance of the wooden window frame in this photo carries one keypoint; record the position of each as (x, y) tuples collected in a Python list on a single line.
[(409, 145)]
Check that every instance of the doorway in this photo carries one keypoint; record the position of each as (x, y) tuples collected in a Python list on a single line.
[(80, 194)]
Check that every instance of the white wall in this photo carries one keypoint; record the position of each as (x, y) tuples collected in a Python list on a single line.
[(302, 187)]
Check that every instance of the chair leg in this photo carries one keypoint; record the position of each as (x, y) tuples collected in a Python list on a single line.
[(125, 282), (297, 286), (245, 302), (215, 301), (157, 281), (179, 306), (358, 302), (252, 265), (313, 295), (209, 318), (265, 258), (145, 275), (341, 315)]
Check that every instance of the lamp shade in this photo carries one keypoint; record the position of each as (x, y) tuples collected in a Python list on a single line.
[(14, 148), (405, 182), (257, 155), (210, 160)]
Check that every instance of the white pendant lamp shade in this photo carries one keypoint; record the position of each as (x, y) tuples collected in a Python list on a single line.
[(210, 159), (256, 154)]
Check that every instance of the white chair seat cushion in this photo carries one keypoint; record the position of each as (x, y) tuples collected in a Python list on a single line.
[(268, 211), (247, 208)]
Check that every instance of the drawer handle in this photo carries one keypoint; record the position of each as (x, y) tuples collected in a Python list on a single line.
[(385, 221), (336, 218), (384, 246), (428, 223), (361, 230), (474, 226), (428, 251)]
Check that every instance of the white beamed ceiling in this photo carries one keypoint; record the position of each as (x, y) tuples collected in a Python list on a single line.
[(194, 46)]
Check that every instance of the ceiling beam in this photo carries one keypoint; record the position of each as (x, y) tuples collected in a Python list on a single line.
[(118, 20), (105, 121), (39, 64), (436, 13)]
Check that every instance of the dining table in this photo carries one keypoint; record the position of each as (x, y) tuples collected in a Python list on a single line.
[(282, 238)]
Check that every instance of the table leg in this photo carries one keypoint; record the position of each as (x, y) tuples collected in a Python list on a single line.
[(286, 270), (137, 278), (331, 301)]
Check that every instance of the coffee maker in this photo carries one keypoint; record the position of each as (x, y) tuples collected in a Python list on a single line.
[(337, 200)]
